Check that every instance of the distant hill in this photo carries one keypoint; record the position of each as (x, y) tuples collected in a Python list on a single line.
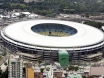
[(78, 1), (53, 7)]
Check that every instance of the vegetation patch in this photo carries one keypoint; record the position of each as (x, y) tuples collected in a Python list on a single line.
[(1, 58)]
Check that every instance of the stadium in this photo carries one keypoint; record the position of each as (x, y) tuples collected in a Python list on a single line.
[(53, 38)]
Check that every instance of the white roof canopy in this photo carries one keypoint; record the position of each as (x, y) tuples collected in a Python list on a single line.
[(85, 36)]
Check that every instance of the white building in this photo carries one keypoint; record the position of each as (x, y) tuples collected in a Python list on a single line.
[(4, 16), (15, 14), (15, 67), (33, 16), (70, 15), (27, 14)]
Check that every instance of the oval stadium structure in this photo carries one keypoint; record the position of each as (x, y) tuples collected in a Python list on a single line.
[(49, 37)]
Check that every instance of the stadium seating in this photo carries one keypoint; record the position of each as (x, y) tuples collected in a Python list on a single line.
[(54, 30)]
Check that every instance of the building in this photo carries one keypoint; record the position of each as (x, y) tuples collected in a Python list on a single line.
[(57, 74), (29, 71), (49, 37), (63, 58), (75, 76), (97, 71), (17, 14), (15, 67)]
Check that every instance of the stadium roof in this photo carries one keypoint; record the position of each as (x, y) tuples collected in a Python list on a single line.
[(86, 35)]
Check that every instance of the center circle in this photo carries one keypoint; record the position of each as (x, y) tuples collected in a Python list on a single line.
[(53, 29)]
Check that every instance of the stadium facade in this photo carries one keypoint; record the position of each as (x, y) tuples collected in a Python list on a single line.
[(48, 37)]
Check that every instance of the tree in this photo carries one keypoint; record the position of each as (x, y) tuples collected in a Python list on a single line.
[(53, 7), (65, 68), (5, 64), (4, 54), (0, 58), (4, 51), (83, 76), (42, 69), (71, 67), (76, 68), (0, 71), (25, 64), (48, 69), (90, 77), (24, 70), (4, 74), (39, 61), (96, 59), (94, 24), (65, 75)]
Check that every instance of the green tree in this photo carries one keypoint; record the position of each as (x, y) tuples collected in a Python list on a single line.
[(0, 71), (48, 69), (96, 59), (83, 76), (4, 51), (87, 7), (71, 67), (90, 77), (39, 61), (24, 70), (5, 64), (76, 68), (42, 69), (94, 24), (4, 74), (0, 58)]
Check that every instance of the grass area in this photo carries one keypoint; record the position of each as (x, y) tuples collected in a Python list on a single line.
[(0, 58), (4, 54)]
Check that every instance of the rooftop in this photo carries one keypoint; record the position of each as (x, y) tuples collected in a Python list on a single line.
[(29, 65), (75, 76), (15, 57), (97, 71), (63, 52), (83, 37)]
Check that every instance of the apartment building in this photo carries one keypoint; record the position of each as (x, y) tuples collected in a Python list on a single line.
[(15, 67)]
